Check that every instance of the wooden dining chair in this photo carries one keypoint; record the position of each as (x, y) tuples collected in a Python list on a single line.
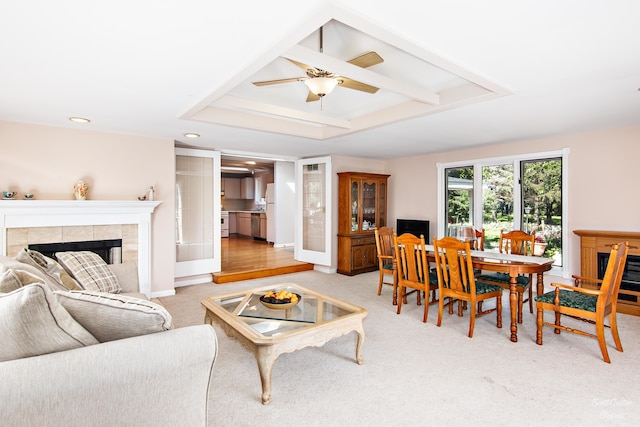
[(387, 265), (413, 271), (478, 243), (519, 243), (589, 305), (456, 281)]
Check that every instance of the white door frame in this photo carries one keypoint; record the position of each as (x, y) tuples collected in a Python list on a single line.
[(208, 265), (301, 254)]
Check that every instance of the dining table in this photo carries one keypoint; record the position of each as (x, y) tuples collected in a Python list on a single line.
[(513, 265)]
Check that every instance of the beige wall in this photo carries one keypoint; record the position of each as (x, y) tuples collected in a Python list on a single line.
[(603, 170), (46, 161)]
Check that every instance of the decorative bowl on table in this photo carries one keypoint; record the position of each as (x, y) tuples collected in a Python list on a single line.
[(280, 300), (9, 194)]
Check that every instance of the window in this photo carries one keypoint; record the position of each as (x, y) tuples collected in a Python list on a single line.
[(507, 193)]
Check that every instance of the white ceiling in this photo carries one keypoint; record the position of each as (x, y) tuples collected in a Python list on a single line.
[(150, 68)]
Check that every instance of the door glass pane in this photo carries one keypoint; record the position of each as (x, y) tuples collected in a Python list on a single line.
[(542, 205), (459, 203), (314, 207), (497, 202), (194, 208)]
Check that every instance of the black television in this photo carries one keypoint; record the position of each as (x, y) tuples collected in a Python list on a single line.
[(413, 226)]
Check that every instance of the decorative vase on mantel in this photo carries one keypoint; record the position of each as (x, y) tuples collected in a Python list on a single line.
[(80, 189)]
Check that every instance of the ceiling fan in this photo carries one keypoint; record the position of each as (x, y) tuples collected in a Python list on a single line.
[(321, 82)]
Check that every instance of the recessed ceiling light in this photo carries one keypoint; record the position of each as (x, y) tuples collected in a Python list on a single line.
[(79, 120), (192, 135)]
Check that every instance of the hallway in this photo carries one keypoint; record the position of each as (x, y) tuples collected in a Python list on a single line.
[(245, 258)]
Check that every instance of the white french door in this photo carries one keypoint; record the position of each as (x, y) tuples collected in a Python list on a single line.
[(313, 219), (197, 216)]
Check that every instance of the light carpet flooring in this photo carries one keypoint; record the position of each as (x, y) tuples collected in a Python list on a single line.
[(420, 374)]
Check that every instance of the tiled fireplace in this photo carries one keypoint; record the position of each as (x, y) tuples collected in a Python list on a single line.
[(26, 222)]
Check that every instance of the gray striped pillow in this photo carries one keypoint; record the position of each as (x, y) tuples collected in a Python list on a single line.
[(89, 270), (110, 317)]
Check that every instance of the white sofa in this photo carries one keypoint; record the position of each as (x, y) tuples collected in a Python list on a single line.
[(157, 379), (162, 379)]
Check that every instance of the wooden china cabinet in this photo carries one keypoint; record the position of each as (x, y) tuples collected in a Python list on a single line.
[(362, 206)]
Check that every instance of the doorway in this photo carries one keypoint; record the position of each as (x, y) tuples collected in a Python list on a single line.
[(244, 257)]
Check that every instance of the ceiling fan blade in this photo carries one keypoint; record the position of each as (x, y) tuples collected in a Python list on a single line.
[(366, 60), (275, 82), (302, 66), (312, 97), (356, 85)]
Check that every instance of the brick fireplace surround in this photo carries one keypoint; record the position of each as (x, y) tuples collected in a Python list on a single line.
[(25, 222)]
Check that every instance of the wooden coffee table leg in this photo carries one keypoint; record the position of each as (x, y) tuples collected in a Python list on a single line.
[(359, 342), (266, 358)]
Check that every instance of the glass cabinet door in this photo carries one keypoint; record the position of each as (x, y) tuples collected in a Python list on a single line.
[(382, 203), (355, 199), (369, 205)]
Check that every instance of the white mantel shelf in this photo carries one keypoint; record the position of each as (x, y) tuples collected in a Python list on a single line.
[(41, 207), (52, 213)]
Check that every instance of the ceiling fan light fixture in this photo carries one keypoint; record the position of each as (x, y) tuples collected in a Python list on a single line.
[(321, 86)]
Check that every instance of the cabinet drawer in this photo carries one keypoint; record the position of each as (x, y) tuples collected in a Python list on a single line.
[(359, 241)]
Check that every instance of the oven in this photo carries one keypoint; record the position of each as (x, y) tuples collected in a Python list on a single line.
[(224, 223)]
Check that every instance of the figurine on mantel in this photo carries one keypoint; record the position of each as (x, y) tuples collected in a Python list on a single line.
[(149, 196), (80, 189)]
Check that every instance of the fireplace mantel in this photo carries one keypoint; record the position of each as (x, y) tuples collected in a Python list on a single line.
[(52, 213)]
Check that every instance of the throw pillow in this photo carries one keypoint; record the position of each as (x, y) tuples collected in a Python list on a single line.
[(111, 317), (33, 322), (54, 274), (89, 270), (12, 279)]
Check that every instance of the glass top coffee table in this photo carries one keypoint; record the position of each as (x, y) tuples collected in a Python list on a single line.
[(315, 320)]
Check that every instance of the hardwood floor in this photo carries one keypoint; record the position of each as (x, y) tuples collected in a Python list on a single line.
[(245, 258)]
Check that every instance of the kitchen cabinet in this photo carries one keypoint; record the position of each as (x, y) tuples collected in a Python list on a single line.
[(232, 188), (233, 220), (244, 224), (247, 188), (362, 206)]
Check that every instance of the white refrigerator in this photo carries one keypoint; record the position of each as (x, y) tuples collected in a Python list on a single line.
[(271, 211)]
